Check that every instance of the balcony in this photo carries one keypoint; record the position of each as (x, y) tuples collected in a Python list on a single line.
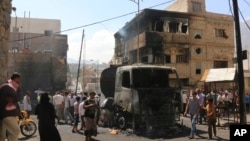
[(151, 39)]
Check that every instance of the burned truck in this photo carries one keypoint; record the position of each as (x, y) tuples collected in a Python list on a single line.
[(143, 97)]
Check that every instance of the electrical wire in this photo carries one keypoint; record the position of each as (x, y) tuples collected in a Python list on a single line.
[(244, 19), (247, 2), (239, 12), (74, 28), (243, 16), (230, 7)]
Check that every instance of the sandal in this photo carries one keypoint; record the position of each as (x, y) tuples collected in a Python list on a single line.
[(190, 137)]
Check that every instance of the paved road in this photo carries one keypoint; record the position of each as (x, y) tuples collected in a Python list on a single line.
[(104, 135)]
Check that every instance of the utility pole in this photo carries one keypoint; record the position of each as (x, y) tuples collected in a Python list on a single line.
[(79, 64), (241, 87)]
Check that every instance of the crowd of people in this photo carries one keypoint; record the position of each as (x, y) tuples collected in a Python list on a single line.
[(71, 109), (207, 107), (63, 107)]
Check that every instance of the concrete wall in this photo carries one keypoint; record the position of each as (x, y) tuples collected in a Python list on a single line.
[(186, 6), (34, 25), (39, 71), (55, 44), (5, 11)]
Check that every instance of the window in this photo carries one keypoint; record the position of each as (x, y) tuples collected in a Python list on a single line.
[(248, 81), (174, 25), (180, 58), (159, 25), (151, 77), (220, 64), (220, 33), (167, 58), (198, 68), (144, 59), (196, 6), (178, 27), (126, 79), (198, 50), (197, 36)]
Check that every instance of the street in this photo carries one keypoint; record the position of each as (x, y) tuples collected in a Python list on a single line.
[(104, 133)]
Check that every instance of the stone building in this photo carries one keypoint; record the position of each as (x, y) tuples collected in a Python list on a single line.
[(39, 52), (5, 11), (184, 36)]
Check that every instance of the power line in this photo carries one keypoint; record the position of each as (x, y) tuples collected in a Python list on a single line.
[(244, 19), (247, 2), (230, 7), (74, 28), (240, 13)]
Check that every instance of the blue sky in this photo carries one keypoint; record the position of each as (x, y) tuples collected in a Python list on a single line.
[(99, 39)]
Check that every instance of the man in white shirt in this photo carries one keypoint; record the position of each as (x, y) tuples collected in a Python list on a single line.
[(184, 101), (81, 112), (27, 103), (58, 101), (67, 113), (72, 99), (39, 91)]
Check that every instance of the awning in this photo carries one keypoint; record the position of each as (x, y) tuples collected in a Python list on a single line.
[(218, 75)]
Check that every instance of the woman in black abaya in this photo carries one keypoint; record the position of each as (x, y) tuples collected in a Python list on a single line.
[(46, 120)]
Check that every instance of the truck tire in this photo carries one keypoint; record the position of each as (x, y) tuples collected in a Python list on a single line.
[(121, 122)]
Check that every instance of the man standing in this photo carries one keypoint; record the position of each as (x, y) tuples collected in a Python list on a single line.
[(193, 107), (58, 101), (81, 112), (39, 91), (9, 108), (98, 111), (90, 107), (184, 101), (247, 102), (67, 113), (72, 99), (27, 103)]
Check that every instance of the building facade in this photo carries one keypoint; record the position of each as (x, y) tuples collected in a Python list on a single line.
[(184, 36), (34, 25), (5, 11), (39, 53)]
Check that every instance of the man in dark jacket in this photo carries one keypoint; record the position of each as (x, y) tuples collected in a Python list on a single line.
[(9, 108)]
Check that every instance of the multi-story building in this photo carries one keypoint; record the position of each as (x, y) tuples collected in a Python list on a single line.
[(184, 36), (39, 52)]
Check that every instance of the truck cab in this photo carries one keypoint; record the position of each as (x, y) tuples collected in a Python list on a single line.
[(145, 96)]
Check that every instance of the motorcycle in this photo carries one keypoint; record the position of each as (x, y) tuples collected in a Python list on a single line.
[(27, 126)]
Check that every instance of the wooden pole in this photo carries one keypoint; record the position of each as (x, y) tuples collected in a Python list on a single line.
[(240, 74), (79, 64)]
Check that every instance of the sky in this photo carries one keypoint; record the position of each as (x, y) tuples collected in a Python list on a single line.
[(101, 19)]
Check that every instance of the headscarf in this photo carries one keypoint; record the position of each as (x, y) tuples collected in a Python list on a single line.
[(13, 84), (44, 98)]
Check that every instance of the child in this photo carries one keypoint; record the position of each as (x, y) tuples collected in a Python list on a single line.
[(211, 117)]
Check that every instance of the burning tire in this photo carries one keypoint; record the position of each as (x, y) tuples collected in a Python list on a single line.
[(121, 122)]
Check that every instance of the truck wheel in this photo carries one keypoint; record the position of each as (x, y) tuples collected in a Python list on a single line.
[(122, 122)]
